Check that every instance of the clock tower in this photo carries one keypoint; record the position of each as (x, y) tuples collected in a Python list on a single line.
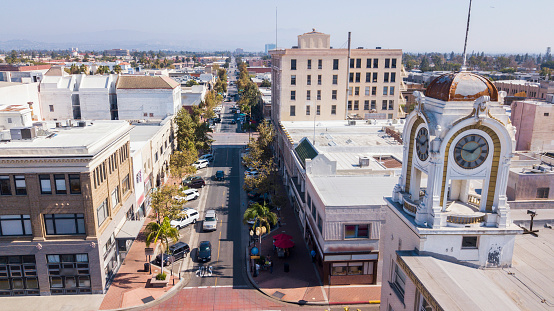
[(457, 148), (450, 201)]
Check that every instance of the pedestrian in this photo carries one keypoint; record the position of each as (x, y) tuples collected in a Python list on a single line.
[(257, 268), (274, 247), (313, 255), (271, 266)]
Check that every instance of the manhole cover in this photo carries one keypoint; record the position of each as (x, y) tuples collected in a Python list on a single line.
[(147, 299), (278, 295)]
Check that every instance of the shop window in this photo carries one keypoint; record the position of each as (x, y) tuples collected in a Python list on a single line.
[(69, 273), (355, 268), (18, 274)]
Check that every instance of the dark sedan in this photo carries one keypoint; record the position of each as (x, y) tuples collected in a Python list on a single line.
[(205, 251)]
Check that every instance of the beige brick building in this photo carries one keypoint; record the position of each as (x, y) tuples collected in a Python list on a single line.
[(64, 195), (310, 81)]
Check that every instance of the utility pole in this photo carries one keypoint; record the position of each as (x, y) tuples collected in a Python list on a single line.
[(347, 79)]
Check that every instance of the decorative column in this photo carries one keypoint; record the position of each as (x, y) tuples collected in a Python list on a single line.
[(431, 209)]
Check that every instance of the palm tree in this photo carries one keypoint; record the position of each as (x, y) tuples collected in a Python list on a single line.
[(163, 232), (262, 217)]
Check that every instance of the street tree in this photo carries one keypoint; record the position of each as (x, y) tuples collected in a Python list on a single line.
[(163, 203), (181, 161), (261, 215)]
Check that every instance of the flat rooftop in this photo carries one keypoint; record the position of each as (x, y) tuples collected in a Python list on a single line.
[(524, 286), (359, 190), (67, 141), (339, 133)]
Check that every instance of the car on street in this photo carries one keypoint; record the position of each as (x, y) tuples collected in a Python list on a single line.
[(194, 182), (189, 216), (208, 156), (205, 251), (219, 175), (178, 250), (191, 194), (210, 221), (201, 164)]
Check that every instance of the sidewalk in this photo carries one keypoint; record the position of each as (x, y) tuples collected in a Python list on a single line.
[(131, 286), (302, 284)]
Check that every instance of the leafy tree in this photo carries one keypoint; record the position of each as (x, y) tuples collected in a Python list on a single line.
[(162, 232), (86, 58), (191, 82), (265, 83), (261, 214), (117, 69), (163, 203), (181, 161)]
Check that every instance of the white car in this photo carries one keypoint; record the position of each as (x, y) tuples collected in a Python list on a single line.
[(209, 157), (210, 221), (201, 163), (190, 216), (252, 173), (191, 194)]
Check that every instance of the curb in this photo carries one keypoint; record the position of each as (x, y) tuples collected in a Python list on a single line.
[(300, 303), (172, 291)]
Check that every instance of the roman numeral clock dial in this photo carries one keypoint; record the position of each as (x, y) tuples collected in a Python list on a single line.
[(422, 144), (471, 151)]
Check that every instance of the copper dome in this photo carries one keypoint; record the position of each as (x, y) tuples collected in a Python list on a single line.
[(461, 86)]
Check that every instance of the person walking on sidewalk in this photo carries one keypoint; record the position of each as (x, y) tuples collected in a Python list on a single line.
[(270, 266), (313, 255)]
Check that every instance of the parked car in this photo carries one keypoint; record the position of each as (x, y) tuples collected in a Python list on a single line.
[(189, 216), (201, 164), (194, 182), (205, 251), (208, 156), (210, 221), (219, 175), (191, 194), (178, 250)]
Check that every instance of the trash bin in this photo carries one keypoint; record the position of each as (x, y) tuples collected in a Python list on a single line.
[(146, 266), (286, 267)]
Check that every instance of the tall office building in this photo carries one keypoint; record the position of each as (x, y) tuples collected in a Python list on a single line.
[(310, 81), (268, 47)]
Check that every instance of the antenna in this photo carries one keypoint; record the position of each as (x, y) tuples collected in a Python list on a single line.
[(275, 27), (465, 42)]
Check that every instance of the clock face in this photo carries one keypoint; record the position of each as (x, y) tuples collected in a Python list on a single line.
[(422, 144), (471, 151)]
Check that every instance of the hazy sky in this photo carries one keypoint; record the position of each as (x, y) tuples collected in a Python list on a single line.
[(497, 26)]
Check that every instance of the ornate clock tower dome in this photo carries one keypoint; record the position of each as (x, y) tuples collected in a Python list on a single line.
[(457, 148)]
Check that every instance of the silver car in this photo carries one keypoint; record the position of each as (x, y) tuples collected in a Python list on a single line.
[(210, 221)]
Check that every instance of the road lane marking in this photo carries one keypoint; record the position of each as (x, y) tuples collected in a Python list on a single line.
[(219, 242)]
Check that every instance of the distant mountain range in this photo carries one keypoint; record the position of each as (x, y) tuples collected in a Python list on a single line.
[(142, 41)]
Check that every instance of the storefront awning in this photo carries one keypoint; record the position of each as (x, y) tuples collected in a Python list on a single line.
[(130, 230)]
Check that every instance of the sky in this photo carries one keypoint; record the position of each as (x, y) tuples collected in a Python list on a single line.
[(497, 26)]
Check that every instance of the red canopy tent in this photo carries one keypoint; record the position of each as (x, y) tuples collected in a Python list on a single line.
[(284, 243), (282, 236)]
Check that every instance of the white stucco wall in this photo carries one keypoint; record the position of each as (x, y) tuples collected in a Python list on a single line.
[(134, 103)]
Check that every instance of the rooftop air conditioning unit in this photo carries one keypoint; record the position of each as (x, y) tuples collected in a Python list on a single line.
[(5, 135), (20, 133), (351, 122), (364, 161), (58, 124), (69, 123), (82, 123)]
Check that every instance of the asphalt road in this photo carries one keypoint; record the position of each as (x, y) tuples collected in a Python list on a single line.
[(225, 198)]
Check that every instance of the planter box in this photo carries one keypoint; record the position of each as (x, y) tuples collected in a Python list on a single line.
[(159, 283)]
